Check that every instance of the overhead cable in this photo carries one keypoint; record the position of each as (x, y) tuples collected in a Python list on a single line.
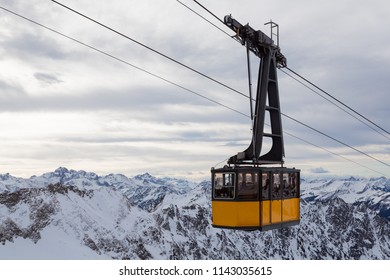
[(338, 141), (184, 88), (188, 67), (338, 106), (317, 87), (150, 48), (210, 12), (333, 153), (310, 127), (336, 99), (123, 61), (199, 15)]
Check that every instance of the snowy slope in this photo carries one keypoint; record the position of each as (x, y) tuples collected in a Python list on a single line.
[(374, 193), (68, 214), (65, 222)]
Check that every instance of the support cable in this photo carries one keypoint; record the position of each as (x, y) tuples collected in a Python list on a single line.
[(207, 10), (338, 106), (339, 101), (333, 153), (150, 48), (199, 15), (123, 61), (306, 80), (316, 130), (176, 61), (336, 140)]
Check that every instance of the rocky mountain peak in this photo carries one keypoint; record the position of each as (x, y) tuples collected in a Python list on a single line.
[(85, 216)]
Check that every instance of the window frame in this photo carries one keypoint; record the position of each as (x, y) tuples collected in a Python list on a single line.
[(266, 190), (230, 187), (243, 185), (276, 191)]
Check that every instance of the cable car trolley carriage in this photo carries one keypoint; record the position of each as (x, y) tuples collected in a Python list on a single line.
[(252, 198), (250, 193)]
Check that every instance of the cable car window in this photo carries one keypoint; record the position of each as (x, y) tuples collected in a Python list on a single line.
[(290, 185), (276, 187), (265, 184), (286, 185), (224, 185), (248, 185), (294, 185)]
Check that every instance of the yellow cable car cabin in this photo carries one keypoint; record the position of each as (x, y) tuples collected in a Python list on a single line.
[(255, 198), (247, 193)]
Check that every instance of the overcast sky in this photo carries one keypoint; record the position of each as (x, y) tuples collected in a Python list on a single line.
[(63, 104)]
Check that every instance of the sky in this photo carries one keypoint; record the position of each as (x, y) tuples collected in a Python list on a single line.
[(64, 104)]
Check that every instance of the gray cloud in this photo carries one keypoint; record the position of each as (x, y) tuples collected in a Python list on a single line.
[(326, 42), (10, 91), (319, 170), (36, 45), (47, 78)]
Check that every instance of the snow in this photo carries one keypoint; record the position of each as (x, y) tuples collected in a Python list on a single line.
[(146, 217), (22, 217), (55, 244), (349, 191)]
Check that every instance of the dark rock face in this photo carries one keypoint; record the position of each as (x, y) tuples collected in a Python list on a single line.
[(40, 214)]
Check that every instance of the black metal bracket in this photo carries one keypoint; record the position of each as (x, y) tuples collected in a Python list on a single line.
[(267, 90)]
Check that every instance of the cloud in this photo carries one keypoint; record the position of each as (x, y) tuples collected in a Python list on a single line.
[(33, 44), (319, 170), (90, 100), (47, 78), (10, 90)]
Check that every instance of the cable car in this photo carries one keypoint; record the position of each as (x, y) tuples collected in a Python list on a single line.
[(250, 193), (251, 198)]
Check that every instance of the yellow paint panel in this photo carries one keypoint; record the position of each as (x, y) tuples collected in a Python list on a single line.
[(236, 214), (223, 213), (276, 207), (248, 213), (265, 212), (290, 209)]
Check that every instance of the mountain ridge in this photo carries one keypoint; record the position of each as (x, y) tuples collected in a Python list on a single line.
[(86, 216)]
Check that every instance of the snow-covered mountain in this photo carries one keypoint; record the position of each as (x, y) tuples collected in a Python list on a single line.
[(68, 214), (374, 193)]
